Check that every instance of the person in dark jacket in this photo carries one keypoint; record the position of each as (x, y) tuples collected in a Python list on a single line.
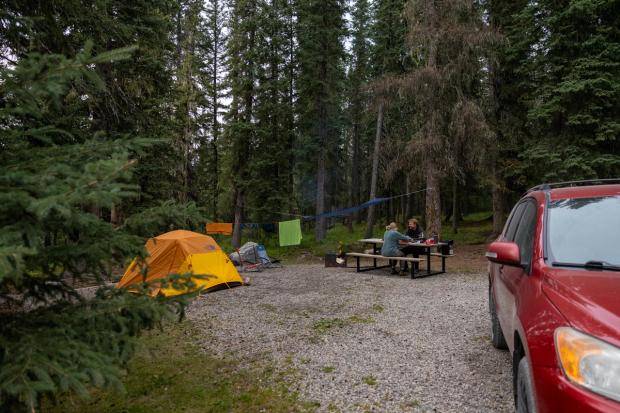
[(414, 231), (391, 247)]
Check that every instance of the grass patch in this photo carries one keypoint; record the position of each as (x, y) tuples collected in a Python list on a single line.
[(410, 405), (172, 374), (333, 408), (328, 369), (324, 325), (473, 230), (369, 380), (377, 308)]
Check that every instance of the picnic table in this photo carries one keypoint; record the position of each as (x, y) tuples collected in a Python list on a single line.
[(425, 250)]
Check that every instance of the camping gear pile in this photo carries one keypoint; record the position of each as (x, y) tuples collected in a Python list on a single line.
[(253, 257)]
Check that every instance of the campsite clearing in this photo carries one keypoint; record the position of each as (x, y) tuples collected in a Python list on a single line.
[(364, 342)]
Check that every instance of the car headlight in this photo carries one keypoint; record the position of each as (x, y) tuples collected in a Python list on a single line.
[(589, 362)]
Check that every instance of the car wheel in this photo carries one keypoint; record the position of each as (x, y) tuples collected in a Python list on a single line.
[(526, 402), (497, 337)]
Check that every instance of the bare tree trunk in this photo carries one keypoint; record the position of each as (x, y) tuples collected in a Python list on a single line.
[(236, 237), (499, 204), (433, 201), (216, 127), (355, 171), (321, 224), (455, 212), (115, 215), (370, 221)]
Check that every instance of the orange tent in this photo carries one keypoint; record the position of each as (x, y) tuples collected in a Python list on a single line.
[(180, 252)]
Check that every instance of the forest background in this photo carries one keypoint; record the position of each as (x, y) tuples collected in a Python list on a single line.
[(121, 120)]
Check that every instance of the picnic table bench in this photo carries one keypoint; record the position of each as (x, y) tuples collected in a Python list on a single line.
[(376, 257), (425, 249)]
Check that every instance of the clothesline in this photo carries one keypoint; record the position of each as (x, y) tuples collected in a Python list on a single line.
[(226, 228), (347, 211)]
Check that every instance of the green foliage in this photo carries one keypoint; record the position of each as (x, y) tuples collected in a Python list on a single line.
[(166, 216), (562, 71), (321, 55), (475, 229), (68, 346), (60, 174), (390, 56)]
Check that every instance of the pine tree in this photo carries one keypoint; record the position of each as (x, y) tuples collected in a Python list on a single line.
[(450, 40), (240, 127), (54, 164), (78, 126), (212, 74), (321, 55), (507, 108), (575, 98), (273, 163), (390, 60), (357, 82)]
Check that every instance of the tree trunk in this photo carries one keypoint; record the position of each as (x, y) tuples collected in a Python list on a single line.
[(236, 237), (355, 170), (115, 215), (455, 212), (214, 102), (499, 204), (321, 223), (370, 221), (433, 200)]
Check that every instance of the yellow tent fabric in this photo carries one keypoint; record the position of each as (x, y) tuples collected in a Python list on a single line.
[(180, 252)]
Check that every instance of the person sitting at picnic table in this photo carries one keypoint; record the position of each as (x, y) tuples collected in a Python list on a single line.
[(414, 231), (391, 239)]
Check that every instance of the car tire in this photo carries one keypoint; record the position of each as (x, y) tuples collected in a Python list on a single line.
[(497, 336), (526, 401)]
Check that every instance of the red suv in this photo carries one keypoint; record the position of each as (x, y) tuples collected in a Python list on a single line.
[(554, 297)]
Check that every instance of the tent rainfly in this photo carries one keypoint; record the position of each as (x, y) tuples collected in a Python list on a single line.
[(181, 252)]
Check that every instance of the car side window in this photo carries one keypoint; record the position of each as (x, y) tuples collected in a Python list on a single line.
[(524, 236), (515, 217)]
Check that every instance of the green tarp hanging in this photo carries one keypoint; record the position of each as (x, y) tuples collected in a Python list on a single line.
[(290, 232)]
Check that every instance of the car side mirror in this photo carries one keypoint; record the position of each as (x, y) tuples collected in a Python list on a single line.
[(506, 253)]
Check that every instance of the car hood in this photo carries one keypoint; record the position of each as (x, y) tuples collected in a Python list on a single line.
[(589, 300)]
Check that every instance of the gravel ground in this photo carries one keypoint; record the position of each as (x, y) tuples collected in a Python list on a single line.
[(365, 342)]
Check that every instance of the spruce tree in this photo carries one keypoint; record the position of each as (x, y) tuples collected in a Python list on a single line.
[(321, 55), (575, 98), (209, 166), (56, 170), (506, 104), (389, 61), (273, 163), (357, 84), (450, 127), (241, 127)]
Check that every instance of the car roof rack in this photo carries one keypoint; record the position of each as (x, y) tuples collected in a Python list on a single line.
[(549, 186)]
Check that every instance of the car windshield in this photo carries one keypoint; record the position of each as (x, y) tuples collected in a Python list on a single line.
[(585, 230)]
